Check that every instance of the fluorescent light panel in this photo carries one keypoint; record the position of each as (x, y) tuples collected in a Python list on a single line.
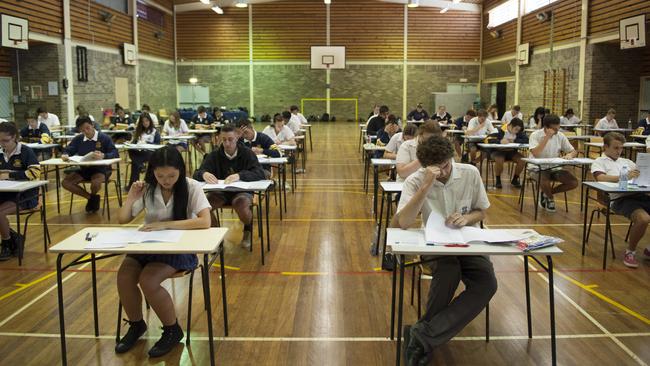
[(413, 3), (217, 9), (206, 2), (444, 10), (328, 1), (241, 4)]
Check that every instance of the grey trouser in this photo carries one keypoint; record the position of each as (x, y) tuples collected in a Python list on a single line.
[(446, 316)]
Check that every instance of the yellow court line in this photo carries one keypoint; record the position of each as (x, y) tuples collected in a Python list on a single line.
[(22, 287), (226, 267), (303, 273), (606, 299)]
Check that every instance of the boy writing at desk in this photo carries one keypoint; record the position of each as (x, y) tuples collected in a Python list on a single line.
[(456, 192)]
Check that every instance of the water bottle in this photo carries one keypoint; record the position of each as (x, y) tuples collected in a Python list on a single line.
[(622, 179)]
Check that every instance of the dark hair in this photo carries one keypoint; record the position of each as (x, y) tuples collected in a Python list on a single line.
[(118, 108), (83, 119), (550, 120), (410, 130), (391, 119), (40, 110), (139, 129), (168, 156), (516, 107), (569, 111), (516, 122), (481, 113), (177, 119), (30, 115), (286, 115), (244, 122), (293, 108), (200, 109), (611, 110), (10, 129), (227, 128), (383, 109), (277, 118), (539, 111), (613, 136), (471, 113), (145, 107), (434, 150), (431, 126)]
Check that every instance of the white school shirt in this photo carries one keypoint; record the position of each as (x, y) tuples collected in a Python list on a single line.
[(507, 117), (487, 128), (394, 143), (463, 192), (157, 210), (607, 165), (532, 123), (569, 121), (147, 138), (294, 123), (154, 118), (555, 147), (169, 130), (285, 134), (493, 116), (406, 154), (604, 124), (51, 121)]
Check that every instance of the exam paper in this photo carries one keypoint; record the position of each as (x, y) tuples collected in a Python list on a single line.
[(437, 232), (222, 185), (119, 238), (643, 164)]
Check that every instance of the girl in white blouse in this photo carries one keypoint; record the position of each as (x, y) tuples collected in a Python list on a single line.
[(176, 126), (145, 133), (279, 133), (171, 201)]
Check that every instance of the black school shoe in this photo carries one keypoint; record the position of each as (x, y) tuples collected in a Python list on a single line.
[(16, 242), (5, 252), (136, 330), (415, 354), (171, 336), (93, 203)]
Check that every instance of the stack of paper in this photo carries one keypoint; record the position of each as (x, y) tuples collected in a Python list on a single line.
[(437, 232), (120, 238)]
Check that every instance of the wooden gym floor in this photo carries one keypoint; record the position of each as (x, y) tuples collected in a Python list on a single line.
[(321, 299)]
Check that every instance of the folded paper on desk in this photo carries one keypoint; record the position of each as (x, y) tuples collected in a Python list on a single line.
[(120, 238), (436, 232), (222, 185), (79, 158)]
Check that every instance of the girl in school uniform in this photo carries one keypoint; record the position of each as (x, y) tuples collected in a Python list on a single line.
[(176, 126), (278, 132), (17, 162), (171, 201), (145, 133)]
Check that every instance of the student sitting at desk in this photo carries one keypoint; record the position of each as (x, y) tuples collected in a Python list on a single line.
[(409, 132), (645, 123), (514, 112), (34, 129), (635, 207), (442, 116), (121, 122), (145, 133), (82, 112), (549, 142), (297, 120), (171, 201), (418, 114), (146, 109), (385, 134), (278, 132), (461, 124), (232, 162), (514, 133), (201, 121), (608, 122), (535, 122), (456, 192), (49, 119), (569, 118), (175, 126), (378, 122), (407, 162), (374, 113), (260, 143), (17, 162), (478, 126), (96, 146)]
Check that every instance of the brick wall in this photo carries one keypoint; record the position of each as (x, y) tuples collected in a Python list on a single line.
[(157, 85)]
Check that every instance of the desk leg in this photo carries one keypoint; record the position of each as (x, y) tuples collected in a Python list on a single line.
[(311, 146), (106, 203), (119, 186), (206, 297), (583, 168), (366, 166), (93, 266), (539, 191), (57, 185), (284, 186), (59, 283), (261, 227), (608, 229), (21, 248), (375, 181), (522, 191), (223, 293), (584, 224), (46, 231), (268, 230), (551, 299), (375, 249), (279, 188), (528, 310), (392, 304), (389, 212), (400, 309)]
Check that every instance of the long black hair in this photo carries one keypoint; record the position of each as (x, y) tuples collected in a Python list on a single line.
[(168, 156), (140, 129)]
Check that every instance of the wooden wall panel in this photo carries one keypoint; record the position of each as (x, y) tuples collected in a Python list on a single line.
[(370, 30), (204, 35), (453, 35), (566, 26), (604, 15), (504, 45), (5, 61), (147, 42), (169, 4), (45, 16), (287, 29), (88, 26)]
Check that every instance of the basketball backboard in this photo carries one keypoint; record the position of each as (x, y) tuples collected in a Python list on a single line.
[(632, 32), (328, 57), (14, 32)]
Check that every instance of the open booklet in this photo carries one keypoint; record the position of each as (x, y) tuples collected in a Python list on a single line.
[(223, 185), (82, 158), (120, 238), (437, 232)]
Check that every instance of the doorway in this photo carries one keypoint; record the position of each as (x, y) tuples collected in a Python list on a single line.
[(501, 98)]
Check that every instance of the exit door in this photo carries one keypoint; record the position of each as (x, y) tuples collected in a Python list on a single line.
[(6, 99)]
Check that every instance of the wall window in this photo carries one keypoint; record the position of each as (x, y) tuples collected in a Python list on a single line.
[(119, 5), (150, 13), (532, 5), (507, 11)]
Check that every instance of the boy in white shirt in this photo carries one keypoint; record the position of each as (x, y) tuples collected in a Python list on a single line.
[(297, 119), (478, 126), (608, 122), (569, 118), (49, 119), (549, 142), (635, 207), (515, 112), (456, 192), (398, 139)]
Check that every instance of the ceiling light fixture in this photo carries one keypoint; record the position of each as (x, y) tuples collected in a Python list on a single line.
[(413, 3), (328, 2), (444, 10), (241, 4), (456, 1), (217, 9), (193, 80), (206, 2)]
